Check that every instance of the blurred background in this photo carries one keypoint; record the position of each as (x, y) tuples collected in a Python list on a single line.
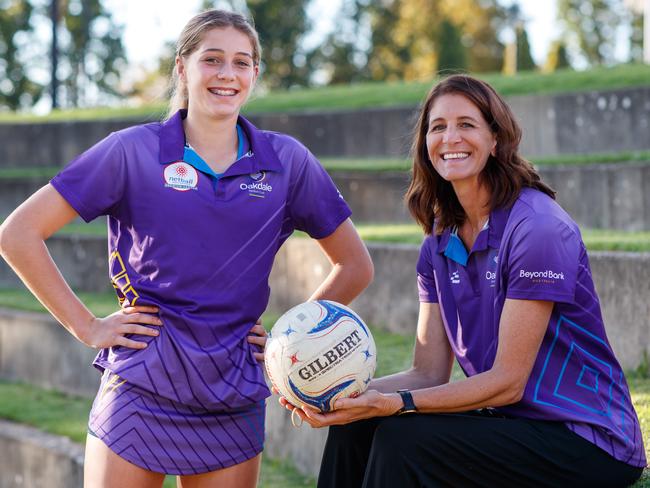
[(87, 53)]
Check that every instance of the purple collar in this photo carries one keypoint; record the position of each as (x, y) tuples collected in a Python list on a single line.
[(264, 158)]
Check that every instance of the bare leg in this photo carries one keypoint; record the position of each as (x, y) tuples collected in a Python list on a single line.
[(105, 469), (242, 475)]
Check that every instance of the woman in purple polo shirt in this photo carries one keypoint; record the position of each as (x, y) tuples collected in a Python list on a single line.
[(197, 207), (506, 289)]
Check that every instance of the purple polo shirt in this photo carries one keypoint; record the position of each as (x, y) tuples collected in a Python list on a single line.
[(534, 251), (200, 252)]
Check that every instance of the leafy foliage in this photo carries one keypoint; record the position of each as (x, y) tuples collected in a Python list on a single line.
[(591, 26), (92, 51), (16, 89)]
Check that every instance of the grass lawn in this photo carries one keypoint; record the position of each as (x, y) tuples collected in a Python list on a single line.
[(595, 239), (67, 415), (381, 94), (380, 164)]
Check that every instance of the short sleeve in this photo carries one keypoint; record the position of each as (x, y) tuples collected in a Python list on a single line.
[(315, 204), (543, 260), (93, 183), (426, 282)]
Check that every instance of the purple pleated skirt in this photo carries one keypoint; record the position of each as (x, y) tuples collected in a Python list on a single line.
[(164, 436)]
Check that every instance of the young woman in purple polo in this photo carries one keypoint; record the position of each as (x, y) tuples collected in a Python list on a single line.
[(505, 288), (197, 207)]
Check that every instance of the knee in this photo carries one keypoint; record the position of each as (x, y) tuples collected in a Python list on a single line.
[(392, 438), (349, 434)]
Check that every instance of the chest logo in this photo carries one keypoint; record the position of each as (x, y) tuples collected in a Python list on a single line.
[(455, 278), (181, 176), (258, 187)]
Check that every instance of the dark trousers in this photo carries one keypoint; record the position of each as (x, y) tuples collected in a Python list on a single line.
[(465, 450)]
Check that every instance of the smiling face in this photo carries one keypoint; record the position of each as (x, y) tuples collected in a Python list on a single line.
[(219, 74), (459, 140)]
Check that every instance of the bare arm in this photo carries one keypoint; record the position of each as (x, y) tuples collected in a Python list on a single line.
[(522, 327), (352, 269), (22, 245), (432, 357)]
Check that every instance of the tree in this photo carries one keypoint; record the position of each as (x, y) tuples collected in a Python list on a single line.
[(92, 51), (636, 39), (343, 56), (16, 89), (281, 25), (452, 54), (557, 58), (590, 27), (524, 58), (480, 21)]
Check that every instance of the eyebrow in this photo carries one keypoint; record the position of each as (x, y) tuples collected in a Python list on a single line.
[(461, 117), (216, 49)]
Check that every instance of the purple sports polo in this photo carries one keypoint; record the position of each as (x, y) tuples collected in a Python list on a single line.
[(202, 252), (534, 251)]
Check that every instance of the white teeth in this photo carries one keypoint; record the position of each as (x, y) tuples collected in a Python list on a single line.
[(458, 155), (223, 93)]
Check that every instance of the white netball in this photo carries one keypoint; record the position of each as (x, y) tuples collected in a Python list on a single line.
[(318, 352)]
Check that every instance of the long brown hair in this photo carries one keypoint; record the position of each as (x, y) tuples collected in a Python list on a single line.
[(192, 35), (430, 197)]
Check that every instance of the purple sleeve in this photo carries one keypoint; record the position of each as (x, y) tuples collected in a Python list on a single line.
[(93, 183), (315, 204), (543, 260), (426, 281)]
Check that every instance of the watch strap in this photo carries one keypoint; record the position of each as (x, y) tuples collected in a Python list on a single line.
[(409, 404)]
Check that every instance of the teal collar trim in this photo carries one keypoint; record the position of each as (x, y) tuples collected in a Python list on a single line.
[(455, 249), (190, 156)]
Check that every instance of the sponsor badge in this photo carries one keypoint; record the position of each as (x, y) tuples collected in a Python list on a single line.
[(181, 176)]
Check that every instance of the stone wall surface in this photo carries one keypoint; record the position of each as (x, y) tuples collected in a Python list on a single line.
[(82, 259), (30, 458), (34, 349), (587, 122), (597, 196)]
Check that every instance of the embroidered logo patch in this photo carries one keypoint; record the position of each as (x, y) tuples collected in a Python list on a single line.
[(258, 188), (181, 176)]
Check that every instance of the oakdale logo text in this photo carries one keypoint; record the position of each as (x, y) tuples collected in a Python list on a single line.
[(256, 187), (548, 276)]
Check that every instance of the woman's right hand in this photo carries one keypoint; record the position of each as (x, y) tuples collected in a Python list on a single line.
[(112, 330)]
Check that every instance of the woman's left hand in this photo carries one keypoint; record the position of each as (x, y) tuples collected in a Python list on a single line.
[(367, 405), (258, 337)]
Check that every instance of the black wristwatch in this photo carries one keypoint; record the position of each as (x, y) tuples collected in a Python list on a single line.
[(409, 405)]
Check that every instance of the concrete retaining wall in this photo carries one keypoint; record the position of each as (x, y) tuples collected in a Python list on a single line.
[(36, 350), (391, 301), (30, 458), (604, 196), (622, 281), (83, 260), (33, 348), (590, 122)]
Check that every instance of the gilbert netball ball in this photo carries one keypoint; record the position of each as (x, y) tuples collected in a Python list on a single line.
[(318, 352)]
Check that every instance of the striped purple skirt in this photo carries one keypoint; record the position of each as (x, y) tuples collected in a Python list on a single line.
[(160, 435)]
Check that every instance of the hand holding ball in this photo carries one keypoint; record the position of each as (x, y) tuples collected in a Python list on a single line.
[(318, 352)]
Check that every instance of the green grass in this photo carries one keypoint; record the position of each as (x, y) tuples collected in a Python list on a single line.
[(67, 415), (381, 164), (380, 94), (101, 304), (595, 239)]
